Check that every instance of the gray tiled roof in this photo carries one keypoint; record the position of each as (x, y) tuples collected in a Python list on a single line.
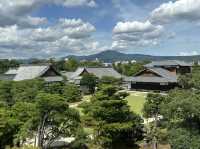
[(11, 72), (27, 72), (67, 74), (147, 79), (164, 76), (168, 63), (30, 72), (107, 71), (99, 72)]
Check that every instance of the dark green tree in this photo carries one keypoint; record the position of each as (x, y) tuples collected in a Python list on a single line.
[(72, 93), (6, 96), (54, 88), (27, 90), (130, 69), (181, 115), (152, 109), (56, 119), (90, 81), (8, 128), (110, 80), (116, 125)]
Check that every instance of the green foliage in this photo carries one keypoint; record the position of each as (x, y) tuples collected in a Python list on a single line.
[(181, 111), (89, 81), (53, 112), (152, 109), (6, 96), (80, 141), (130, 69), (183, 139), (185, 81), (72, 64), (182, 107), (69, 65), (26, 90), (25, 115), (114, 121), (72, 93), (8, 128), (108, 89), (54, 88), (110, 80), (90, 64), (48, 102), (6, 64), (192, 80), (24, 147), (152, 106)]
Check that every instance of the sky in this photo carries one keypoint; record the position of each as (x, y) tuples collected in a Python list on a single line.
[(57, 28)]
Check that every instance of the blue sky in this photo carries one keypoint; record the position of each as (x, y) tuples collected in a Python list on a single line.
[(55, 28)]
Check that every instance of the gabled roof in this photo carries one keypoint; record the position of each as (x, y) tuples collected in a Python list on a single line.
[(27, 72), (30, 72), (77, 73), (107, 71), (163, 76), (168, 63), (99, 72), (67, 74)]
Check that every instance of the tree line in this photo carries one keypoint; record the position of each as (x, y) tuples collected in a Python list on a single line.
[(176, 115), (33, 109)]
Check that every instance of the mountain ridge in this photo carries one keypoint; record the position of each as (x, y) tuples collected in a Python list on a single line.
[(112, 56)]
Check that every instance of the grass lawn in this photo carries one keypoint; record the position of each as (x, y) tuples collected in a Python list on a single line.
[(136, 101)]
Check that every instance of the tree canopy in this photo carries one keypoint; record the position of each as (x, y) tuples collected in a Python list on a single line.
[(115, 125)]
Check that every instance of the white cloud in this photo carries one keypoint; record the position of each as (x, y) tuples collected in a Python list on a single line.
[(56, 40), (188, 10), (188, 53), (18, 11), (126, 34), (127, 10), (76, 28), (72, 3)]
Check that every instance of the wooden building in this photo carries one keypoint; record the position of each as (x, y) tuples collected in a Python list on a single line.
[(174, 66), (159, 75), (99, 72), (28, 72)]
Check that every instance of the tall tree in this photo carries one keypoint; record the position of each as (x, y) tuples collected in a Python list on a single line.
[(72, 93), (152, 109), (116, 126), (90, 81), (56, 119), (27, 90), (6, 96), (181, 114)]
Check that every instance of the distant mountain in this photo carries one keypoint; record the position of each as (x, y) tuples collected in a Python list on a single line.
[(112, 56)]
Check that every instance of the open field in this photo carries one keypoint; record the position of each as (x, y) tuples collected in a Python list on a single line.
[(136, 101)]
